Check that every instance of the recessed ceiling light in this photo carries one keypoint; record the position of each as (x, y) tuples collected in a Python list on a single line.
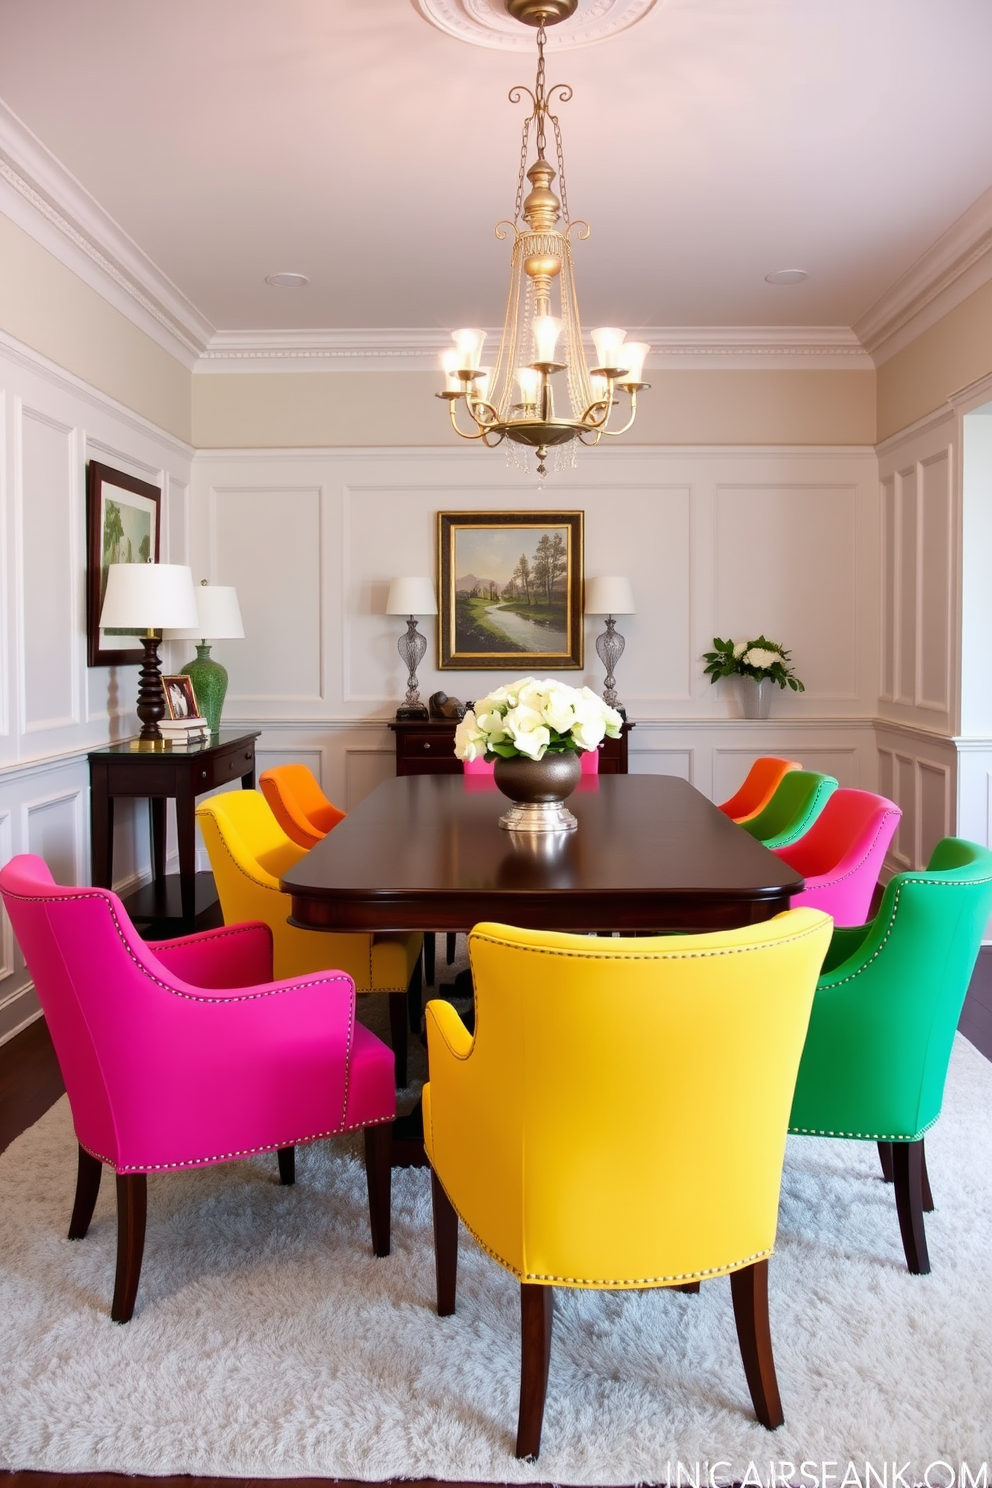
[(291, 281), (786, 276)]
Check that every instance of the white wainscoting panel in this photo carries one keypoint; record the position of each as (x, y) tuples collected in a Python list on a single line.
[(53, 826), (50, 493), (919, 772)]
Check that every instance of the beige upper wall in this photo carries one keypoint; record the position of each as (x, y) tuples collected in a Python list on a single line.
[(949, 356), (376, 409), (49, 308)]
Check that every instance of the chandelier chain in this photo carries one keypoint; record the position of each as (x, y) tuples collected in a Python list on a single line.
[(561, 171), (518, 205)]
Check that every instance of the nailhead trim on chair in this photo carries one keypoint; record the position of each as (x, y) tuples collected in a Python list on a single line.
[(829, 882), (815, 1131), (218, 1157), (926, 883), (701, 955)]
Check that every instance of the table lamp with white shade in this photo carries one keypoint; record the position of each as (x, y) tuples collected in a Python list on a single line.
[(610, 597), (411, 597), (219, 619), (150, 597)]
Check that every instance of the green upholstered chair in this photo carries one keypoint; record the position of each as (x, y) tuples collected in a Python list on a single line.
[(798, 800), (884, 1016)]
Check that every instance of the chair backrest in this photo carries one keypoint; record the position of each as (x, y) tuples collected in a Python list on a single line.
[(758, 787), (249, 852), (842, 854), (479, 766), (298, 803), (627, 1172), (884, 1018), (589, 759), (799, 798)]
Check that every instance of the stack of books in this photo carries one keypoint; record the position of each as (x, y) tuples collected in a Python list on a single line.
[(182, 731)]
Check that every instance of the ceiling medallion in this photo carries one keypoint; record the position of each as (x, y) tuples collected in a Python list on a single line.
[(542, 345), (487, 23)]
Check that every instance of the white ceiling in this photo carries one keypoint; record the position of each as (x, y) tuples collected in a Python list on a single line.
[(715, 142)]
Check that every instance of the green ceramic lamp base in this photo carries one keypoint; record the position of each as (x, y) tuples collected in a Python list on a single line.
[(209, 680)]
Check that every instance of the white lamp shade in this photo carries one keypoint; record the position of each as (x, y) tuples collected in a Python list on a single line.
[(148, 596), (219, 616), (610, 597), (411, 597)]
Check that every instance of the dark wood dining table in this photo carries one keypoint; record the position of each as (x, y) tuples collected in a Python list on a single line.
[(427, 853)]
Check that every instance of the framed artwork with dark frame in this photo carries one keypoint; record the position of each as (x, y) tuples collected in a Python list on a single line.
[(509, 590), (122, 526), (180, 697)]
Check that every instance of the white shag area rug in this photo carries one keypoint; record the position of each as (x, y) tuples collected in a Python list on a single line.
[(268, 1342)]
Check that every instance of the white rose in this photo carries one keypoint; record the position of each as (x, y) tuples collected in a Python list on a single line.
[(533, 742), (558, 711), (493, 727), (759, 657), (613, 722), (589, 726), (470, 742), (739, 649)]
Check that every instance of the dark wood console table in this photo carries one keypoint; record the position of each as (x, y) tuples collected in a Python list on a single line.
[(182, 775), (426, 747)]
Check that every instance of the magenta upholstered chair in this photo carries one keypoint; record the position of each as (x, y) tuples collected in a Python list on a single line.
[(186, 1053), (590, 761), (841, 855)]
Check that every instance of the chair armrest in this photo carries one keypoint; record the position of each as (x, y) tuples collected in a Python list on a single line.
[(451, 1033), (232, 956)]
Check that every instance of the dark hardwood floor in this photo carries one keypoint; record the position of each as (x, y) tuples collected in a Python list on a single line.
[(30, 1082)]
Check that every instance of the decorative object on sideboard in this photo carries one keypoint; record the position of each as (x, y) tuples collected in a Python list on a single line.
[(509, 590), (443, 706), (218, 619), (610, 597), (411, 597), (183, 724), (755, 666), (149, 597), (122, 526), (535, 731), (542, 335)]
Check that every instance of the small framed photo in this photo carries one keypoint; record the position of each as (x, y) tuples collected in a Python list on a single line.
[(122, 522), (509, 591), (180, 699)]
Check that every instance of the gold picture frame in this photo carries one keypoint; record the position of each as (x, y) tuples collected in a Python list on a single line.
[(510, 591)]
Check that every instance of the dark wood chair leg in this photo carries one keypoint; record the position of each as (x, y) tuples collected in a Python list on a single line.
[(445, 1248), (687, 1286), (88, 1175), (415, 994), (429, 958), (927, 1194), (378, 1176), (132, 1208), (450, 946), (397, 1034), (885, 1158), (907, 1163), (749, 1289), (536, 1316), (287, 1165)]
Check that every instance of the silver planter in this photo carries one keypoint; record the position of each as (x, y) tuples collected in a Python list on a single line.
[(538, 789), (755, 695)]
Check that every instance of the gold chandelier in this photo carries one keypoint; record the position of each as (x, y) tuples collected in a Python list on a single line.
[(516, 399)]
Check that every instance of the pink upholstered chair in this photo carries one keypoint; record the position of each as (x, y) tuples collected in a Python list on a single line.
[(186, 1053), (841, 855), (590, 761)]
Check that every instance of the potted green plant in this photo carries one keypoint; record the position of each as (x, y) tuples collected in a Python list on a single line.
[(755, 666)]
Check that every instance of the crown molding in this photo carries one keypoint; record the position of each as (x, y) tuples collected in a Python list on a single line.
[(47, 202), (418, 350), (951, 269)]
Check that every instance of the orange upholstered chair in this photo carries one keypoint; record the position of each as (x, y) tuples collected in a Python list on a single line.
[(298, 804), (759, 786)]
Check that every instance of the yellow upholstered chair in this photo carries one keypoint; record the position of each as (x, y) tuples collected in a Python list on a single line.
[(654, 1176), (298, 803), (249, 852)]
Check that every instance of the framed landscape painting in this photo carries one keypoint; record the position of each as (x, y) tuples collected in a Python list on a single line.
[(509, 591), (122, 522)]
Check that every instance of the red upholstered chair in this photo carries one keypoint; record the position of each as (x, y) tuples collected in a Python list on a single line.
[(760, 784), (841, 855), (186, 1053), (298, 804)]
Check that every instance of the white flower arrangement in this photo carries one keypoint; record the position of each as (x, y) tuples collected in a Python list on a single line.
[(758, 659), (534, 718)]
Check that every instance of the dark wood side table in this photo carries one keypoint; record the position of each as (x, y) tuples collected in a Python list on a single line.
[(427, 748), (179, 774)]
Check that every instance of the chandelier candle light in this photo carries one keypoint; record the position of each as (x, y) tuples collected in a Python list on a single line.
[(411, 597), (535, 731), (515, 399)]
